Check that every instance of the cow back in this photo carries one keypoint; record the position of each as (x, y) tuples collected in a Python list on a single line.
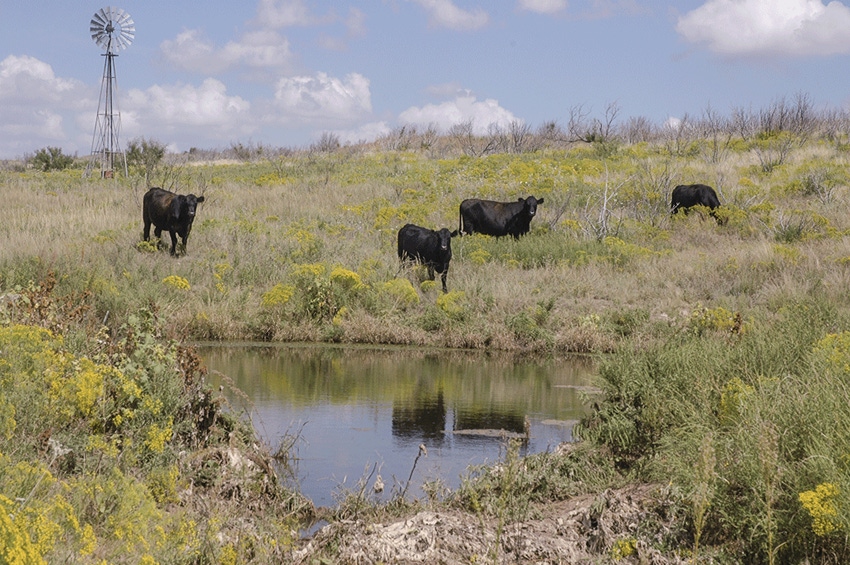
[(491, 217)]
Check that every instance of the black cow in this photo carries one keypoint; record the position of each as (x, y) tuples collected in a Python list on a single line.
[(431, 248), (687, 195), (497, 218), (171, 212)]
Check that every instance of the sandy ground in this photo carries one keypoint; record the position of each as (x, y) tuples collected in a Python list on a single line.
[(629, 525)]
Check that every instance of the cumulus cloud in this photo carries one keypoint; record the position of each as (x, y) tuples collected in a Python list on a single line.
[(182, 108), (35, 104), (444, 13), (26, 79), (769, 27), (192, 51), (323, 99), (543, 6), (462, 109)]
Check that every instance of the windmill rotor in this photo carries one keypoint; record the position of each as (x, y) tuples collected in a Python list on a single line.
[(112, 29)]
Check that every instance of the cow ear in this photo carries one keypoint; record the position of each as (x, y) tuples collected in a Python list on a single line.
[(540, 201), (453, 234), (520, 199), (200, 199)]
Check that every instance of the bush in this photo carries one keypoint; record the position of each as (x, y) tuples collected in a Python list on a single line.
[(760, 456), (51, 159)]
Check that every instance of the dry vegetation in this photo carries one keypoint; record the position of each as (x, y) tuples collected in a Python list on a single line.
[(726, 345)]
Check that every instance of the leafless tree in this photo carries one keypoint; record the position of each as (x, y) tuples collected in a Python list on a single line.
[(638, 129), (551, 133), (677, 135), (470, 144), (598, 224), (716, 130), (582, 128), (653, 183)]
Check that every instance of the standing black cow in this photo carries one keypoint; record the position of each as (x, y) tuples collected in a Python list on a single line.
[(497, 218), (431, 248), (687, 195), (171, 212)]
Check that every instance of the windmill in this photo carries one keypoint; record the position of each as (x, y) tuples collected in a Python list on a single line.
[(112, 29)]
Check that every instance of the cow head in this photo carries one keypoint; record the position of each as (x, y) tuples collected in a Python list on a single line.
[(185, 206), (530, 204), (445, 238)]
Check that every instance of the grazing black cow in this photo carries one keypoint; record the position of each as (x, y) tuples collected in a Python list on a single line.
[(171, 212), (687, 195), (497, 218), (431, 248)]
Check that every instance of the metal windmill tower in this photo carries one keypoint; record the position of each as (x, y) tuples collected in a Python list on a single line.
[(112, 29)]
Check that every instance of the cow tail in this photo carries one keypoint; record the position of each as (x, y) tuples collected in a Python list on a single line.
[(460, 223)]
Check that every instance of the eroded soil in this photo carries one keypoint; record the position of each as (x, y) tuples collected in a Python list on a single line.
[(635, 524)]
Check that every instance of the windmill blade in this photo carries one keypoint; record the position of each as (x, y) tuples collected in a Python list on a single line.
[(122, 18), (112, 29)]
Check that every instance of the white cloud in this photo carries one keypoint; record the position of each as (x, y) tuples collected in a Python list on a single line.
[(444, 13), (35, 105), (366, 132), (543, 6), (769, 27), (460, 110), (276, 14), (182, 108), (323, 99), (191, 51), (27, 80)]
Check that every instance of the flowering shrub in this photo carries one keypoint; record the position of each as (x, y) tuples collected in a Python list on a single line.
[(402, 292), (453, 304), (175, 281), (219, 273), (348, 280), (711, 319), (820, 503), (479, 256), (623, 548), (834, 351), (279, 295)]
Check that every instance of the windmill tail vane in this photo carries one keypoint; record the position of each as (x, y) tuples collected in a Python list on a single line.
[(112, 29)]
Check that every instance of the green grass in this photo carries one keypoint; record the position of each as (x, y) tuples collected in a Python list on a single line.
[(723, 347)]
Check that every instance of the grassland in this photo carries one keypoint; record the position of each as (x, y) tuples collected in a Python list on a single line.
[(726, 346)]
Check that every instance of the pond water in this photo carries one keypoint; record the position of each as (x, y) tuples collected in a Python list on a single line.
[(352, 413)]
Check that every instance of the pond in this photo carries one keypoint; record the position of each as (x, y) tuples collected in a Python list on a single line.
[(353, 413)]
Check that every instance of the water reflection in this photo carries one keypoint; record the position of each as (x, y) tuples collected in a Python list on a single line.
[(357, 408)]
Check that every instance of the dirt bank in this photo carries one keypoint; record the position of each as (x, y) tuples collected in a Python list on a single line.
[(635, 524)]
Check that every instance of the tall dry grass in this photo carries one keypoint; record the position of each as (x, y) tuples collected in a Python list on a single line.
[(603, 244)]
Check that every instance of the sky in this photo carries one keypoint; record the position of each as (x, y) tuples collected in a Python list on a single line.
[(214, 73)]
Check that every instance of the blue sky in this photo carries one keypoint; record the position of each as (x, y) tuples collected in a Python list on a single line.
[(281, 72)]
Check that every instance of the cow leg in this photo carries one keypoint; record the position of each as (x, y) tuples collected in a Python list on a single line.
[(443, 277), (146, 234), (173, 242), (431, 275)]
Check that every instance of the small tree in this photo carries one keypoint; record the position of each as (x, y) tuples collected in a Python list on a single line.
[(144, 156), (51, 159)]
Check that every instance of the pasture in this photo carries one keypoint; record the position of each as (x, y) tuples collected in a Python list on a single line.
[(304, 247), (725, 344)]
